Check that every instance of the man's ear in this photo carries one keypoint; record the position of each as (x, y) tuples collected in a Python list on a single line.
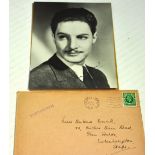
[(94, 37), (53, 37)]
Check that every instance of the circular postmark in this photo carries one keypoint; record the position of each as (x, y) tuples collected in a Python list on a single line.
[(91, 102)]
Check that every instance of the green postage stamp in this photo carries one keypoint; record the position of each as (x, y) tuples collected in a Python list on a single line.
[(129, 99)]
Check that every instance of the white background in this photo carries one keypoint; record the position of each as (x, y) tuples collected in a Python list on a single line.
[(6, 137)]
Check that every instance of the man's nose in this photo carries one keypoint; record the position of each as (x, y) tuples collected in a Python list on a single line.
[(73, 43)]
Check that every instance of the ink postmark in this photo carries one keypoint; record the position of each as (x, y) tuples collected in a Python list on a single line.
[(91, 102)]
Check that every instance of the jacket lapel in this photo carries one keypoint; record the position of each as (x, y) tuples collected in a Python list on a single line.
[(64, 74)]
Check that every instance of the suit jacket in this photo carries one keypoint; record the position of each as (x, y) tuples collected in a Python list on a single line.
[(55, 74)]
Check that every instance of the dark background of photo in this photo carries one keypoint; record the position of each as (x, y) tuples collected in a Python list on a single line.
[(102, 56)]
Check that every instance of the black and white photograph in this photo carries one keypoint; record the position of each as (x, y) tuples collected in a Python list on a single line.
[(72, 46)]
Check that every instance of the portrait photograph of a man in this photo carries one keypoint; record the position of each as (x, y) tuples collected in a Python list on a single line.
[(72, 46)]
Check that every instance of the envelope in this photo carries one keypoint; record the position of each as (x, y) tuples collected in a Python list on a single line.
[(78, 122)]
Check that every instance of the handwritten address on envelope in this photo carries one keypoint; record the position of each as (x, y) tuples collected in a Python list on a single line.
[(103, 132)]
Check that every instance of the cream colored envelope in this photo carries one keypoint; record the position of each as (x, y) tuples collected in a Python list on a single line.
[(79, 122)]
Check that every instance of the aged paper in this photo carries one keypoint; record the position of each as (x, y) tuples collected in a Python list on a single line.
[(81, 122)]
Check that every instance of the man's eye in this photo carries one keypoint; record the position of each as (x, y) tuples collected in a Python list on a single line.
[(62, 37), (82, 37)]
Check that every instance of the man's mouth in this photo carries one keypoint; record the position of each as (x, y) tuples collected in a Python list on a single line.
[(73, 52)]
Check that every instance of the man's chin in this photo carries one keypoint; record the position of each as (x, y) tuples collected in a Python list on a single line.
[(75, 60)]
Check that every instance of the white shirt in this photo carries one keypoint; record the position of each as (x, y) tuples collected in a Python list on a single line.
[(78, 69)]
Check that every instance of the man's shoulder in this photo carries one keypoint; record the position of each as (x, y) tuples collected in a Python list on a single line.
[(41, 77), (42, 72), (94, 70), (99, 77), (44, 67)]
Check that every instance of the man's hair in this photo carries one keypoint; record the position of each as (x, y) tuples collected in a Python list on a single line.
[(74, 14)]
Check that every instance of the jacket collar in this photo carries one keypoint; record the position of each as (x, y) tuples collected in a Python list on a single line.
[(57, 63), (61, 70)]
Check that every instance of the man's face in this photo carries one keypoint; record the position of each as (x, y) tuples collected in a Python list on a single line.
[(74, 41)]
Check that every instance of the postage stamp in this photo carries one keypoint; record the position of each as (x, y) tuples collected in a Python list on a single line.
[(129, 99)]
